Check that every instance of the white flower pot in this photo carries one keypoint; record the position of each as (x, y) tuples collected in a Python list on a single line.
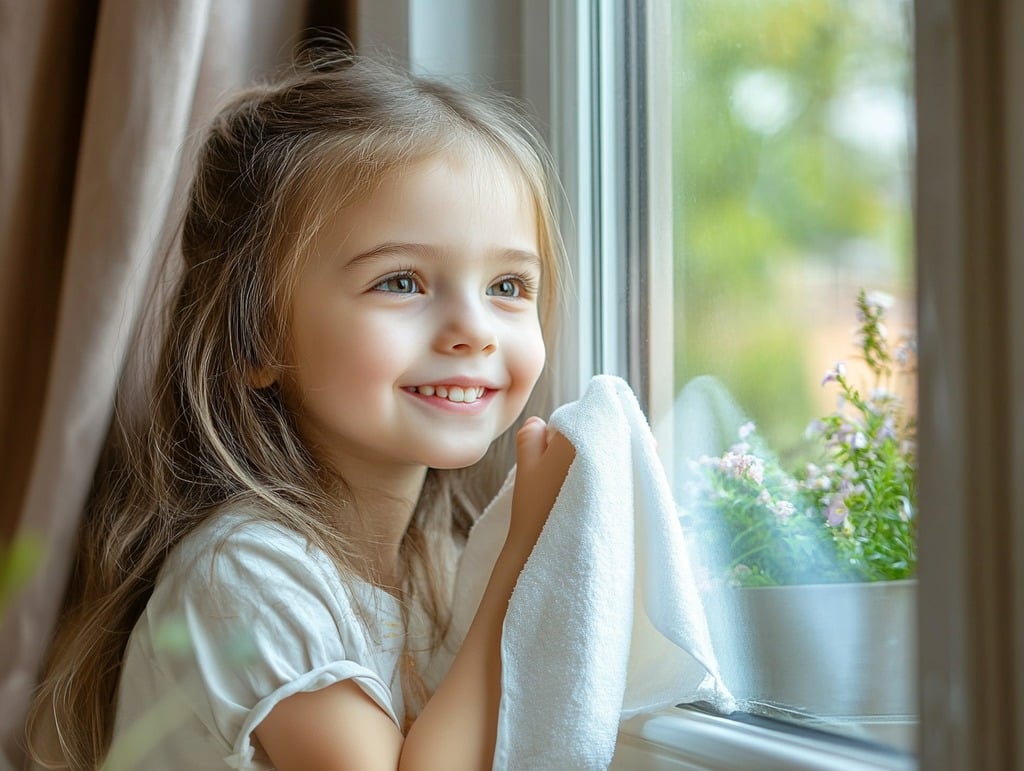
[(837, 650)]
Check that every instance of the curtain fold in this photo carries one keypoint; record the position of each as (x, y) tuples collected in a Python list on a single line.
[(95, 159), (44, 63)]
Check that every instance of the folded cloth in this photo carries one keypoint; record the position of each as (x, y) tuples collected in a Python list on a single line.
[(605, 621)]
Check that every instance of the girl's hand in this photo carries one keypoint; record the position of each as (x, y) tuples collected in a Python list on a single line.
[(543, 457)]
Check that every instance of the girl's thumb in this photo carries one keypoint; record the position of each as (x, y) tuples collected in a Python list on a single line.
[(531, 441)]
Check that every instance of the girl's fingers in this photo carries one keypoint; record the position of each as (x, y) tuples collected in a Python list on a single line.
[(531, 441), (540, 471)]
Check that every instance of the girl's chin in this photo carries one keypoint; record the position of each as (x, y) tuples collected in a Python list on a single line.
[(448, 465), (461, 458)]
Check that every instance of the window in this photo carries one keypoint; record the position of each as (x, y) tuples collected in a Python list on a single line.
[(749, 168), (966, 289), (792, 160), (788, 127), (968, 76)]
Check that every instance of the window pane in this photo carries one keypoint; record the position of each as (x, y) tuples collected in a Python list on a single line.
[(793, 300)]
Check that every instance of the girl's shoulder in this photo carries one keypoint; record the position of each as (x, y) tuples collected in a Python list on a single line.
[(240, 529), (240, 558), (243, 534), (239, 565)]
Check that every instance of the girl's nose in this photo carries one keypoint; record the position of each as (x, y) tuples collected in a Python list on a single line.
[(467, 328)]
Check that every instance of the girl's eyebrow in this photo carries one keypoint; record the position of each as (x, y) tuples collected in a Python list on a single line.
[(527, 258), (524, 257)]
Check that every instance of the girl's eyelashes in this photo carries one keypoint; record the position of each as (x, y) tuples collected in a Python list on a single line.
[(400, 282), (406, 281), (514, 285)]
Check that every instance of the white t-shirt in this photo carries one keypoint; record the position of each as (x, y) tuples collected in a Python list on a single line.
[(244, 614)]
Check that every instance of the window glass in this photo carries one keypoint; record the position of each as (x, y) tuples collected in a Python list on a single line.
[(793, 455)]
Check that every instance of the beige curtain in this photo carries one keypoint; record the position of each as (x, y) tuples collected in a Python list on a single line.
[(99, 102)]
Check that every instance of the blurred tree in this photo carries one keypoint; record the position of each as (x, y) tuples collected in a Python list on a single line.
[(791, 125)]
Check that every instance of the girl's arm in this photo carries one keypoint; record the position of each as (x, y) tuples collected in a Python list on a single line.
[(341, 728)]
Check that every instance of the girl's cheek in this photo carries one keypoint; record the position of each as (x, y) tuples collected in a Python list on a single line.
[(532, 362)]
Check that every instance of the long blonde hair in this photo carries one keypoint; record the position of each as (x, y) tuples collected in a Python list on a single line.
[(210, 437)]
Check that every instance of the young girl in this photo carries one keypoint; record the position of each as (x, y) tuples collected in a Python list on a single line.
[(265, 568)]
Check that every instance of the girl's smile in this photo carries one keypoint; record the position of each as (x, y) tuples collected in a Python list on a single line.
[(415, 336), (466, 400)]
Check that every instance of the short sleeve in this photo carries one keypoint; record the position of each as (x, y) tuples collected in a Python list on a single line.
[(245, 619)]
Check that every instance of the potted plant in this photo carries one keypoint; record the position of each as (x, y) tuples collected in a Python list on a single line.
[(813, 567)]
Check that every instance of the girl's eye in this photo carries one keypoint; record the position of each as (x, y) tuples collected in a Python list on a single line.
[(400, 283), (510, 286)]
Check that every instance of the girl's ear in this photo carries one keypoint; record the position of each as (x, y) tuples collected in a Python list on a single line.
[(261, 378)]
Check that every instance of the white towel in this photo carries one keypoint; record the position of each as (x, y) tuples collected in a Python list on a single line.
[(605, 621)]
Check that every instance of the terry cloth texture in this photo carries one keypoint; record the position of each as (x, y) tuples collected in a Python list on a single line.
[(605, 621)]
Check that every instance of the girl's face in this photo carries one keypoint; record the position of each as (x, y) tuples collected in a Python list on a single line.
[(415, 337)]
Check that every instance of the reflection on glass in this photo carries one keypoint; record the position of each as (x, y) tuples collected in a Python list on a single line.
[(794, 354)]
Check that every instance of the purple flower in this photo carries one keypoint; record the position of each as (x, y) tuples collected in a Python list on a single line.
[(782, 510), (741, 465), (737, 574), (836, 512), (879, 300), (905, 352), (814, 429), (753, 468), (880, 397), (835, 373), (821, 483), (887, 429)]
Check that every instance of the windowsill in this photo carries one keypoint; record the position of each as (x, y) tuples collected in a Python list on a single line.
[(893, 732), (690, 739)]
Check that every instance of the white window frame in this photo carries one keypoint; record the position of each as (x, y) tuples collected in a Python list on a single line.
[(969, 58)]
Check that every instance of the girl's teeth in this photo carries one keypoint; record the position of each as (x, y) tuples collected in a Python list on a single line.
[(453, 393)]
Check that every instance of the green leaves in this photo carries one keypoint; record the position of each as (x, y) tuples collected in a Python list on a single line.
[(849, 516)]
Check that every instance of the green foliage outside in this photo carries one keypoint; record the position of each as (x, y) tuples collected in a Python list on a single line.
[(771, 185)]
